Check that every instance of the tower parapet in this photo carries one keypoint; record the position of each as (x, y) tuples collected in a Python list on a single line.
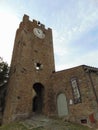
[(33, 22)]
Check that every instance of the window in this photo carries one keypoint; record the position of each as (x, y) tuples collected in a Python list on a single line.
[(84, 121), (38, 66), (76, 92)]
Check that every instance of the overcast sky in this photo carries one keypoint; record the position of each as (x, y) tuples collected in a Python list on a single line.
[(74, 24)]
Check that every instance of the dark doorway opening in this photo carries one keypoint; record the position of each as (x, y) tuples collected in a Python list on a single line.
[(38, 99)]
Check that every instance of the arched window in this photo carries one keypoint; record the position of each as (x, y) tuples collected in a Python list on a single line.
[(62, 105), (76, 91)]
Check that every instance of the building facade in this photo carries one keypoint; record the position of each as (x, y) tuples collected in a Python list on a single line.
[(34, 87)]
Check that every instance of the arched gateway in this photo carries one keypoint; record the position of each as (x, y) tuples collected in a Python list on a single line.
[(37, 104)]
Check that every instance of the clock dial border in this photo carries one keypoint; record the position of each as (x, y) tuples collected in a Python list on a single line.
[(39, 33)]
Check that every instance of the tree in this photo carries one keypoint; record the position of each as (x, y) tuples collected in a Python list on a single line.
[(4, 75), (4, 71)]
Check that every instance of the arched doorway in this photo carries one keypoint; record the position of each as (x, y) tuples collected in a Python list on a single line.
[(62, 105), (37, 104)]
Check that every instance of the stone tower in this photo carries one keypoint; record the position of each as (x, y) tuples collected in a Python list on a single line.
[(31, 68)]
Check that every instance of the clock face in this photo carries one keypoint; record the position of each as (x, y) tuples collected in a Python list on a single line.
[(39, 33)]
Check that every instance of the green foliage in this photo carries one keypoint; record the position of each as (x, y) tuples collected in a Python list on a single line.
[(4, 74), (4, 70)]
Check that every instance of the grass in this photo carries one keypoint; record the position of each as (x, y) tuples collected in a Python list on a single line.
[(13, 126), (73, 126), (57, 125), (18, 126)]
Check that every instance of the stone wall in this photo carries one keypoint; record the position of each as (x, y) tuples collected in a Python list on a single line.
[(62, 84)]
